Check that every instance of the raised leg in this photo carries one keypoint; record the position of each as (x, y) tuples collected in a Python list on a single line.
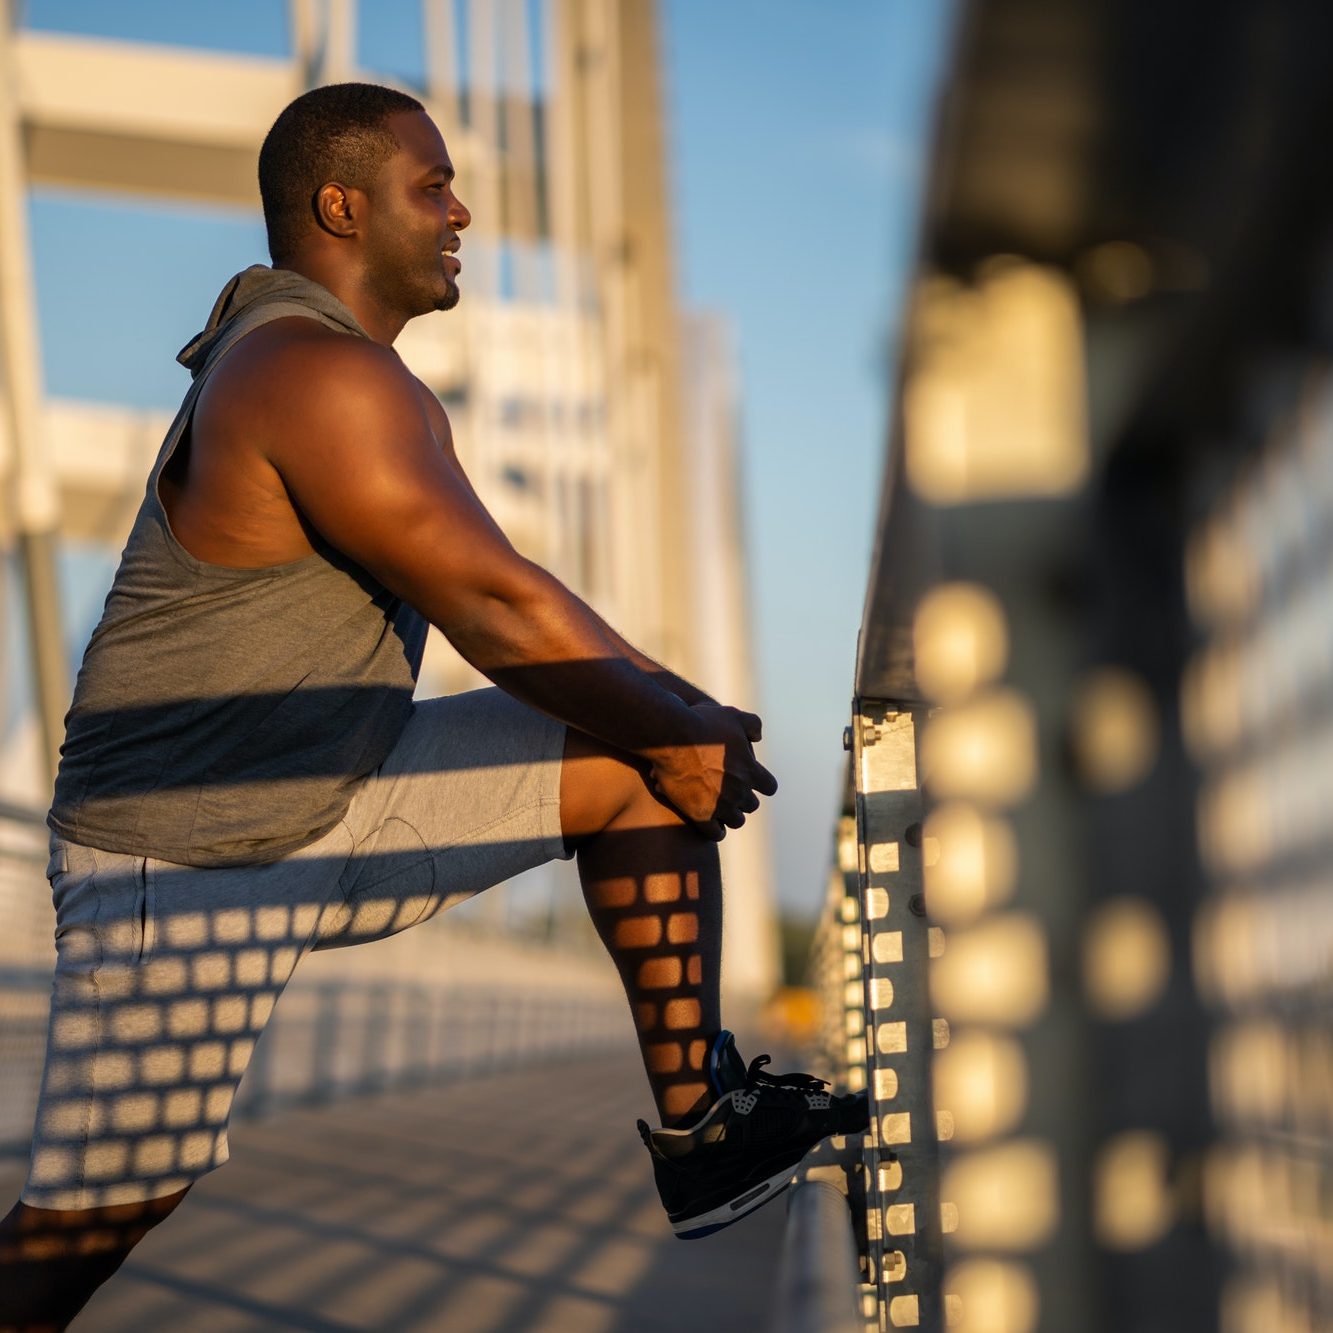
[(654, 891), (51, 1262)]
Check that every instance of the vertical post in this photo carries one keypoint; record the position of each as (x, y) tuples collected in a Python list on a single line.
[(487, 166), (902, 1147), (339, 41), (324, 39), (36, 502), (518, 95), (303, 23), (442, 65)]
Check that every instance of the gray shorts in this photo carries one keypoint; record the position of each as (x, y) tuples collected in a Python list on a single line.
[(167, 974)]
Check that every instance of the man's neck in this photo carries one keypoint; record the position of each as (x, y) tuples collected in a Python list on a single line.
[(383, 324)]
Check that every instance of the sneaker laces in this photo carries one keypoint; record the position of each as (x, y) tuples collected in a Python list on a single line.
[(779, 1089), (755, 1078)]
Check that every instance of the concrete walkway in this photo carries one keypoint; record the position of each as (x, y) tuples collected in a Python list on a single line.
[(514, 1203)]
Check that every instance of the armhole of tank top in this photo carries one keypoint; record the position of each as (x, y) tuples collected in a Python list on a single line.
[(180, 428), (187, 561)]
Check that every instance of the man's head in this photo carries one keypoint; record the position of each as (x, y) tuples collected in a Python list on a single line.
[(358, 175)]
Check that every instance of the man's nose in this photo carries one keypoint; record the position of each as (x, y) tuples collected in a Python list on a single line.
[(459, 215)]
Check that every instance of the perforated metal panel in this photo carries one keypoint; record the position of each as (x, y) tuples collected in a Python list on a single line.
[(1258, 706), (903, 1209)]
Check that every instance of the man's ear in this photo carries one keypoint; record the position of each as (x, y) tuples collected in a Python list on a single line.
[(338, 209)]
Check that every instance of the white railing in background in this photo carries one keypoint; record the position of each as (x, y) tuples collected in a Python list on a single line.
[(416, 1017)]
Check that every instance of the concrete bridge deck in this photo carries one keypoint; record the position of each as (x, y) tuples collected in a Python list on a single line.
[(510, 1203)]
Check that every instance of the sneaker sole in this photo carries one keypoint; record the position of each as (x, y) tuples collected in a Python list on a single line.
[(704, 1224)]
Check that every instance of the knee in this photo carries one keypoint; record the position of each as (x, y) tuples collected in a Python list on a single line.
[(601, 789)]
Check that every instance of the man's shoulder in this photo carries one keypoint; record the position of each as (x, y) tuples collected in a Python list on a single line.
[(297, 357)]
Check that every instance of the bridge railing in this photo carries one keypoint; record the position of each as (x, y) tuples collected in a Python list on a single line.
[(1097, 957), (27, 954), (869, 967)]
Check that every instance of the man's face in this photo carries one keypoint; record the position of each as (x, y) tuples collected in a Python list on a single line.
[(415, 220)]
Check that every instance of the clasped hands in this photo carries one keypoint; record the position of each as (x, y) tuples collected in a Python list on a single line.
[(714, 780)]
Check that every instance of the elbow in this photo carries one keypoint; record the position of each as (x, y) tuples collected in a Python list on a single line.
[(495, 620), (516, 589)]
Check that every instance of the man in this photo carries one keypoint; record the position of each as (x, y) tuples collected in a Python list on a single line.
[(246, 776)]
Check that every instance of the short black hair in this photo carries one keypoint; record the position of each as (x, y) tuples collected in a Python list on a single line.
[(334, 133)]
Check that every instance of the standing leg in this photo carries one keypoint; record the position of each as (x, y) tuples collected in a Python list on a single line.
[(654, 891), (51, 1262)]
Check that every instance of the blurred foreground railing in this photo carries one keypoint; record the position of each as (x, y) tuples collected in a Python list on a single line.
[(343, 1025), (1087, 856)]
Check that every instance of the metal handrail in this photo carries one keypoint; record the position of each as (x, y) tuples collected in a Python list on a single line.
[(817, 1285)]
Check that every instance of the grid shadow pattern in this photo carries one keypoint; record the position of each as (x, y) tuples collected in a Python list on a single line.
[(518, 1202)]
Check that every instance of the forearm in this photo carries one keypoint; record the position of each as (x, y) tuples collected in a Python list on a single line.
[(667, 679), (545, 646)]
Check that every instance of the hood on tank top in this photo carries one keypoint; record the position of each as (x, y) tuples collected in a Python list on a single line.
[(254, 286)]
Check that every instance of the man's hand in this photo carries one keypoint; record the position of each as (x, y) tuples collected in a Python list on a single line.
[(716, 780)]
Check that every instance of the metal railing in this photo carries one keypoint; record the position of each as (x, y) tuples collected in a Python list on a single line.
[(1105, 1100), (817, 1283), (27, 955), (869, 967)]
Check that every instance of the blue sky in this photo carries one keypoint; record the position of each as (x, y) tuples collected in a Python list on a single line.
[(797, 131)]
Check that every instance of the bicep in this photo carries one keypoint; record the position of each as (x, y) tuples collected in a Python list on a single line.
[(443, 431), (364, 468)]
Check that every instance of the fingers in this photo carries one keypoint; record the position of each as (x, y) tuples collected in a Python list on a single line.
[(762, 780), (740, 795), (734, 791), (737, 801), (765, 783), (711, 829)]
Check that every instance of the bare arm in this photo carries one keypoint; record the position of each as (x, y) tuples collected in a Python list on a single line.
[(666, 678), (351, 439)]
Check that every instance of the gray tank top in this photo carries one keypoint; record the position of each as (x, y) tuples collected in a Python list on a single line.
[(225, 716)]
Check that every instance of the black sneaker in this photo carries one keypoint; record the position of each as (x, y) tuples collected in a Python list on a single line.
[(742, 1149)]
